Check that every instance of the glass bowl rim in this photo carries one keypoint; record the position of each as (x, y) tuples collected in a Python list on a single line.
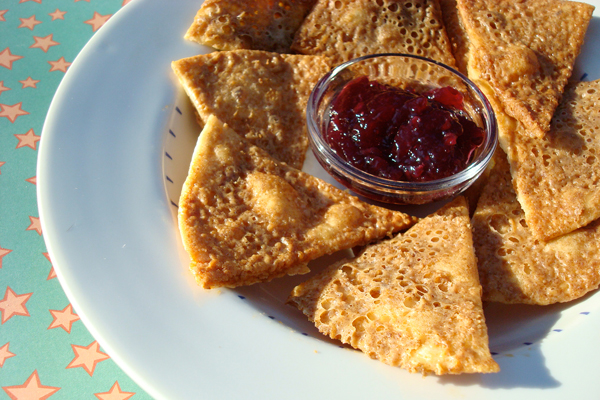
[(473, 170)]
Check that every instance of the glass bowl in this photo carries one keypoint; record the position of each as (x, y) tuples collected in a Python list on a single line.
[(409, 72)]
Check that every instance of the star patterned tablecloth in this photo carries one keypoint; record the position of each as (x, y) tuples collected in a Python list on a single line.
[(45, 350)]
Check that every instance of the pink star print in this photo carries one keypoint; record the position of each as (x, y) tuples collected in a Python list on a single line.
[(2, 12), (29, 23), (37, 1), (114, 393), (2, 87), (7, 58), (32, 180), (5, 354), (87, 357), (13, 304), (28, 139), (97, 20), (43, 43), (32, 389), (12, 112), (35, 225), (59, 65), (52, 273), (3, 252), (63, 319), (29, 83), (57, 14)]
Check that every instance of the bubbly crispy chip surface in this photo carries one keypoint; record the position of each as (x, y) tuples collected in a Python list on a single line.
[(253, 25), (557, 177), (346, 29), (261, 95), (457, 35), (516, 267), (246, 218), (525, 50), (413, 301)]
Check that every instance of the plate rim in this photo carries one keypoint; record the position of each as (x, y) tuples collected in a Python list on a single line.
[(104, 39)]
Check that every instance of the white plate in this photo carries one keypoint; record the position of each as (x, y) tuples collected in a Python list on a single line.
[(114, 153)]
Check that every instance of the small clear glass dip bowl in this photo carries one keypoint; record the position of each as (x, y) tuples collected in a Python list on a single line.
[(418, 74)]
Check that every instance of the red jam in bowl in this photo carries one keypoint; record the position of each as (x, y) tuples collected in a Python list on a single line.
[(401, 135)]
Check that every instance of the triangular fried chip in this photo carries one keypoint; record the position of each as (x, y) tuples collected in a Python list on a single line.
[(247, 218), (346, 29), (261, 95), (253, 25), (515, 266), (413, 301), (557, 178), (457, 35), (525, 50)]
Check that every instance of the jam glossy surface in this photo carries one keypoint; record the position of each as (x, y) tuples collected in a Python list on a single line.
[(400, 135)]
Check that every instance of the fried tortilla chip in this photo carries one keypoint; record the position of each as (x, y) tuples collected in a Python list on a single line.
[(525, 50), (457, 35), (515, 266), (246, 218), (253, 25), (261, 95), (346, 29), (557, 178), (413, 301)]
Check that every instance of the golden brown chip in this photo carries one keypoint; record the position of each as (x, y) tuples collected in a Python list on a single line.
[(246, 218), (253, 25), (261, 95), (461, 46), (557, 178), (459, 40), (346, 29), (525, 50), (413, 301), (515, 266), (473, 192)]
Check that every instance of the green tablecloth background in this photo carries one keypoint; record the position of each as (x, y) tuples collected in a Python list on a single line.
[(45, 350)]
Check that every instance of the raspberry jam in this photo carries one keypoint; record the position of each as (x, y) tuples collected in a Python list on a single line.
[(401, 135)]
